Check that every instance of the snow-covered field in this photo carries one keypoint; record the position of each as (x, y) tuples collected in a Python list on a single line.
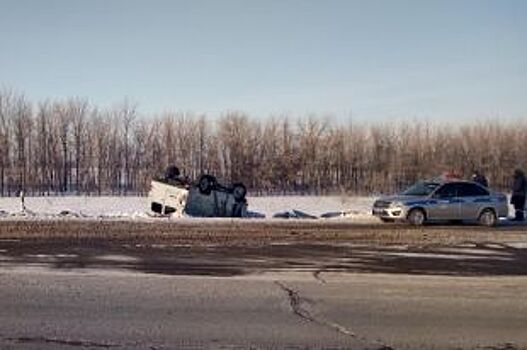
[(113, 207)]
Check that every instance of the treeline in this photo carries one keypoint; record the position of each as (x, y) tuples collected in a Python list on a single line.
[(71, 146)]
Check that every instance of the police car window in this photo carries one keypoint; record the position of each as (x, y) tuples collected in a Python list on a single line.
[(421, 188), (447, 190), (471, 190)]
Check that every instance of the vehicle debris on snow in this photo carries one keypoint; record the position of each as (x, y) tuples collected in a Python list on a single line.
[(294, 214)]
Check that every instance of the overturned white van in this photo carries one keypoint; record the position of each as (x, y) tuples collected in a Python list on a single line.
[(176, 196)]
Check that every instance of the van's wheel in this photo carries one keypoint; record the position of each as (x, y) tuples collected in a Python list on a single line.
[(206, 184), (239, 191), (416, 217), (172, 173), (488, 218)]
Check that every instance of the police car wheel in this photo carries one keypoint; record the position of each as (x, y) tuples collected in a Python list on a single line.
[(488, 218), (416, 217)]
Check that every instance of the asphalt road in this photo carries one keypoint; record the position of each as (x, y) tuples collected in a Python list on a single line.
[(280, 286), (95, 309)]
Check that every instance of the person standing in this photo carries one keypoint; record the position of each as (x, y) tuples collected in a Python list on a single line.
[(479, 178), (519, 189)]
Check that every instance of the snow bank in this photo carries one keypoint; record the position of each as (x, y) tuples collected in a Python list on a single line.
[(114, 207)]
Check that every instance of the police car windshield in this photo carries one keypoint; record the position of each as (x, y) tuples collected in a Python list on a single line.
[(421, 188)]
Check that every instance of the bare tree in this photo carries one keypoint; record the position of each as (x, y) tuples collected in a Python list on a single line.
[(22, 123), (6, 117), (70, 145), (126, 114), (77, 110)]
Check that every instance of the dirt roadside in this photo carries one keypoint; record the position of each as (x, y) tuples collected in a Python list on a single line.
[(238, 247), (235, 231)]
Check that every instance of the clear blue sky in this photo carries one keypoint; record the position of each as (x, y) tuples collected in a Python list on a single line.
[(376, 59)]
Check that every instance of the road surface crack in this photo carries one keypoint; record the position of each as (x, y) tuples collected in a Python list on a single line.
[(505, 346), (296, 302), (45, 340)]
